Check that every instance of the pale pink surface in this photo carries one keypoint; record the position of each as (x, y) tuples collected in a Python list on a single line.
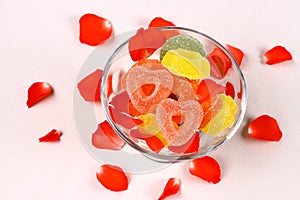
[(39, 42)]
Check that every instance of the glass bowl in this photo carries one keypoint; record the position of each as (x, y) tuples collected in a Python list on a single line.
[(121, 61)]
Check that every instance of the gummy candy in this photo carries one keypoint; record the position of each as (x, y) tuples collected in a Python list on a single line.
[(186, 63), (276, 55), (191, 111), (148, 63), (224, 118), (210, 108), (139, 76), (182, 42), (183, 89), (149, 125)]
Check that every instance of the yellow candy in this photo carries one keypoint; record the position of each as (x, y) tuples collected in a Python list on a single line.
[(186, 63), (224, 118), (149, 126)]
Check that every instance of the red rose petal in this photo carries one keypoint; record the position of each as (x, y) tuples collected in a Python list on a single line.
[(265, 127), (206, 168), (38, 91), (191, 146), (121, 102), (172, 187), (112, 178), (276, 55), (145, 42), (89, 87), (52, 136), (154, 143), (219, 62), (123, 119), (106, 138), (236, 53), (160, 22), (94, 30), (229, 90), (239, 94), (208, 88)]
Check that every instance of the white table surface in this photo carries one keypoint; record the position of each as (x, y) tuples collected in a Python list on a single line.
[(39, 41)]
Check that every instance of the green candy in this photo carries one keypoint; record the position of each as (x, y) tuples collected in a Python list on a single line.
[(182, 42)]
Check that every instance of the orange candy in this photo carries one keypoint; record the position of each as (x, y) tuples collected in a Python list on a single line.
[(191, 112)]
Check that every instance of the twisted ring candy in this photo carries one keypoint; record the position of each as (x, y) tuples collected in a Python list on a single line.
[(139, 76), (191, 112)]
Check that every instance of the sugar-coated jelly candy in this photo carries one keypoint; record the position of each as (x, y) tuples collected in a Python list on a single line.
[(182, 42), (191, 112), (188, 64), (149, 125), (139, 76), (224, 118), (183, 89), (210, 108)]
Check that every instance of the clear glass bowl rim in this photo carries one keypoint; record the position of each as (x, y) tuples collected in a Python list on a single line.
[(174, 158)]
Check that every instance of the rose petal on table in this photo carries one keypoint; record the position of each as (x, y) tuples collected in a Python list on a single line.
[(208, 88), (160, 22), (265, 127), (229, 90), (220, 63), (206, 168), (276, 55), (37, 92), (112, 177), (145, 42), (52, 136), (172, 187), (236, 53), (94, 30), (191, 146), (106, 138), (89, 87)]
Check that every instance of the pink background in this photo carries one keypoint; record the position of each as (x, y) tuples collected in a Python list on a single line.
[(39, 42)]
